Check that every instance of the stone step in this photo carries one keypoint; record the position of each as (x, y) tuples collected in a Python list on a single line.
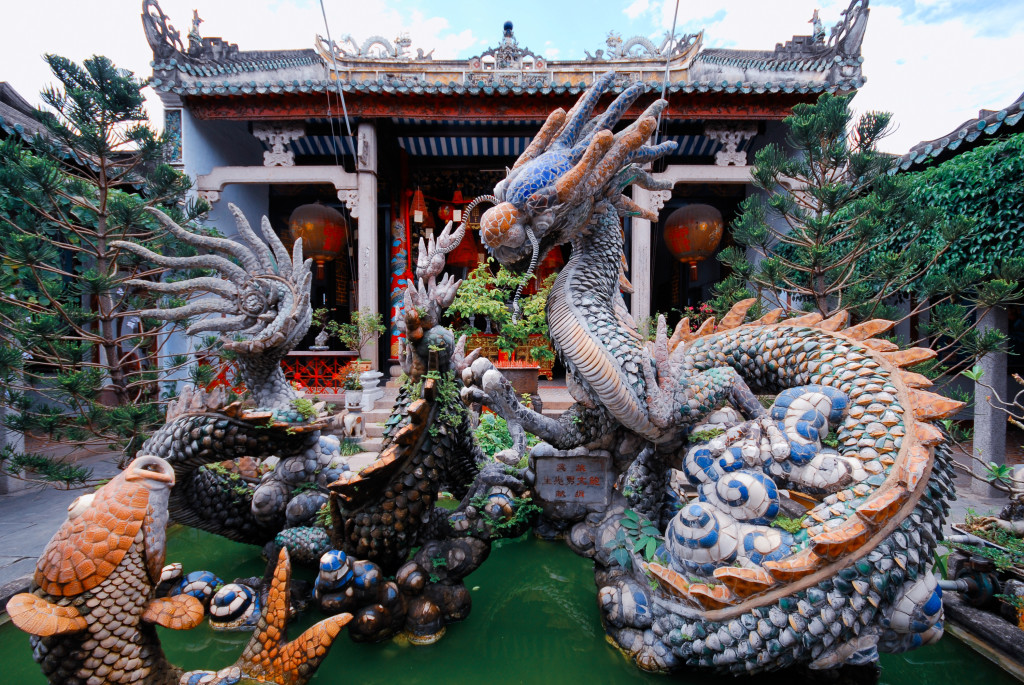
[(372, 444), (358, 462), (374, 430), (559, 404), (552, 413)]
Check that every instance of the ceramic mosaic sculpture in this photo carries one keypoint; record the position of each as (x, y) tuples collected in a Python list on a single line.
[(732, 593), (262, 293), (94, 604), (714, 584)]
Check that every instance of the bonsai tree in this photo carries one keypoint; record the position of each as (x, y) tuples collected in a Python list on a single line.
[(364, 327), (490, 294)]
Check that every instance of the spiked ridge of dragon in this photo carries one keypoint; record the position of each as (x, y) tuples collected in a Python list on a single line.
[(733, 593), (262, 293)]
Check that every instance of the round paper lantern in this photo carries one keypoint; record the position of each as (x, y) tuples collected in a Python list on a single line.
[(445, 212), (692, 234), (323, 231)]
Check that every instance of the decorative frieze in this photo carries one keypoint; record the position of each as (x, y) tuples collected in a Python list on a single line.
[(277, 135)]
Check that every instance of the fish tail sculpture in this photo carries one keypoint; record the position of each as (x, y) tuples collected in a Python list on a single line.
[(732, 593), (93, 606), (268, 658)]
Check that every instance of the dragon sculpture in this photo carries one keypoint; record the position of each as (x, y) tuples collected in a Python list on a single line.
[(733, 594), (712, 585)]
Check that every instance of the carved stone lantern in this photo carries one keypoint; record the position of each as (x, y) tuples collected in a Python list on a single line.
[(692, 234), (323, 231)]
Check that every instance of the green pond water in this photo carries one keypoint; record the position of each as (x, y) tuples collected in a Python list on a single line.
[(534, 620)]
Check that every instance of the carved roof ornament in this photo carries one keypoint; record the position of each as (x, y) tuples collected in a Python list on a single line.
[(195, 40), (643, 48), (162, 36), (278, 134), (818, 29), (731, 136), (508, 56), (373, 48)]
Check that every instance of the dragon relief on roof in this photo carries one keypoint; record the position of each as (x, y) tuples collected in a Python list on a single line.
[(373, 48)]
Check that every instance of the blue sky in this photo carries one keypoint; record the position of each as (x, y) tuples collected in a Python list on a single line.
[(934, 63)]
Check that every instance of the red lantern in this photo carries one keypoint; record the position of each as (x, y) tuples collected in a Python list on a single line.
[(466, 252), (692, 234), (323, 231), (458, 202), (419, 207), (445, 213)]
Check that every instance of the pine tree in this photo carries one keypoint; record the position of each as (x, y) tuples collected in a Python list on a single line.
[(77, 362), (836, 230)]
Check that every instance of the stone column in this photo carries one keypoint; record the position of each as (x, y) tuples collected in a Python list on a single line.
[(366, 166), (989, 419), (640, 264)]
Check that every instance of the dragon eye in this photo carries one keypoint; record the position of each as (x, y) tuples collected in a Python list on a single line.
[(497, 224)]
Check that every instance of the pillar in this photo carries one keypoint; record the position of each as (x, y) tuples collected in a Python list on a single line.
[(366, 168), (640, 266), (989, 418)]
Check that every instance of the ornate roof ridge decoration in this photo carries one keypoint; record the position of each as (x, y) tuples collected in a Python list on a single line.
[(970, 134), (842, 51), (392, 51), (642, 48), (507, 55), (804, 65), (209, 54)]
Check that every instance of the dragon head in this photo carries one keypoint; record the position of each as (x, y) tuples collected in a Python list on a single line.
[(574, 162)]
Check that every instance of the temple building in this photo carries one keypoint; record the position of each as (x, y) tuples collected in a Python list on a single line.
[(399, 141)]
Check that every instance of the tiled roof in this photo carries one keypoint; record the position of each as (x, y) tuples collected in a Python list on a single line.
[(215, 86), (16, 114), (213, 66), (967, 135)]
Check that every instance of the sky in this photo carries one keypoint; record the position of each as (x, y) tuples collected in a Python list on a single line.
[(933, 63)]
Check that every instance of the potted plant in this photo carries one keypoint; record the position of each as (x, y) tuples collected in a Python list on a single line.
[(353, 389), (364, 327), (490, 294)]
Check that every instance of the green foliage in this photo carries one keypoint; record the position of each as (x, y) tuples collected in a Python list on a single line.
[(790, 525), (305, 408), (352, 381), (363, 328), (349, 447), (493, 436), (636, 535), (490, 294), (304, 487), (42, 467), (94, 363), (323, 517), (1002, 473), (705, 435), (838, 229)]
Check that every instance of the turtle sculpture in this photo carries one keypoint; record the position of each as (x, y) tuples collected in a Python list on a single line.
[(93, 606)]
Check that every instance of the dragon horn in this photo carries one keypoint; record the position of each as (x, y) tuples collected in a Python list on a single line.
[(229, 269), (284, 266), (257, 247), (611, 116), (574, 178), (612, 162), (581, 111), (554, 122), (222, 245)]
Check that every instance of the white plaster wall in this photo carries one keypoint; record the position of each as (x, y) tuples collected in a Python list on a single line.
[(206, 144)]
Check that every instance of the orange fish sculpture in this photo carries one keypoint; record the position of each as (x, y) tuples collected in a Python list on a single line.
[(92, 609)]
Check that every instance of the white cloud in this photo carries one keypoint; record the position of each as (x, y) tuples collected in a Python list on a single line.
[(932, 76), (551, 53), (636, 8), (81, 28)]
